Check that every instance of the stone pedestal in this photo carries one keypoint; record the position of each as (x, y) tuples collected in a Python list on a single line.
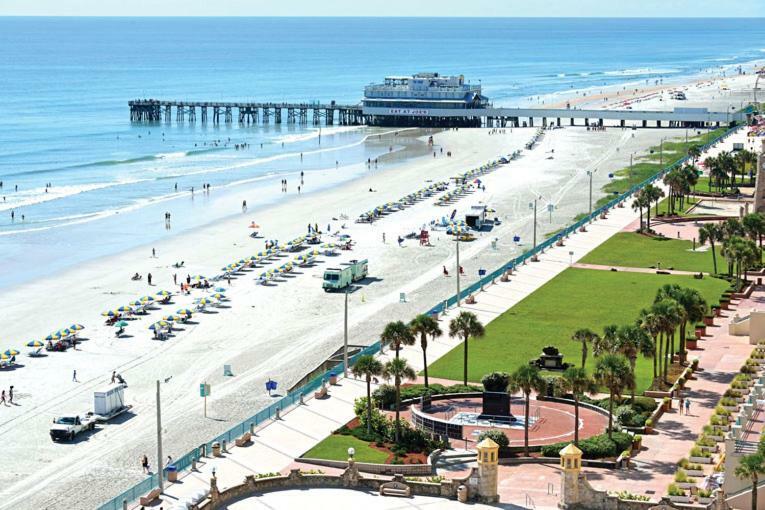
[(571, 464)]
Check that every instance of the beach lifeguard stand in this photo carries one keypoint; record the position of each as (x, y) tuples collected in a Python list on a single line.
[(424, 238)]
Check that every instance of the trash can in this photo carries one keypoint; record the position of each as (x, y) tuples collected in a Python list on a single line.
[(172, 473), (216, 449), (462, 494)]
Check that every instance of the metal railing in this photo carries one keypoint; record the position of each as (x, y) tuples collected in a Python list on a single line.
[(185, 461)]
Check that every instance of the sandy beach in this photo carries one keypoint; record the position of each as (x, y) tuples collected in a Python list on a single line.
[(281, 331)]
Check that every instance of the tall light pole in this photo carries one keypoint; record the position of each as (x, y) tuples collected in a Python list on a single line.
[(458, 270), (661, 152), (589, 174), (159, 442), (533, 205), (345, 334)]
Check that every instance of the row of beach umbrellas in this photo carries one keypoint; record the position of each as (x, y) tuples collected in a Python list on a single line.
[(403, 202)]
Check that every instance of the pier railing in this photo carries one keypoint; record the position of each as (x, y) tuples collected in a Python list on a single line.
[(294, 397)]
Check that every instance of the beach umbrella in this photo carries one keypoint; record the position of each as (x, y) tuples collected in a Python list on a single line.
[(136, 303), (159, 324), (11, 352), (35, 343), (65, 332), (125, 309), (146, 299), (163, 293), (54, 336), (218, 296), (108, 313), (219, 289), (204, 301), (121, 324), (184, 311), (172, 318), (198, 277), (76, 327), (4, 356)]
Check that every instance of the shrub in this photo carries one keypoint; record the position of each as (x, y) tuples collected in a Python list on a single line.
[(628, 496), (674, 490), (683, 463), (497, 436), (496, 381), (705, 493), (696, 451), (705, 441), (728, 402), (721, 411), (644, 404), (649, 422), (385, 394), (596, 447), (681, 476)]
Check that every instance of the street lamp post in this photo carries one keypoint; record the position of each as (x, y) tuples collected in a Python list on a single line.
[(589, 174), (159, 443), (533, 205), (459, 299), (345, 334), (661, 152)]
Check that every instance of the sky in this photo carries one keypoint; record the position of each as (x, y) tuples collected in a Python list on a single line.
[(458, 8)]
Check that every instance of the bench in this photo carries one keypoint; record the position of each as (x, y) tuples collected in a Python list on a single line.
[(244, 440), (148, 499), (395, 489)]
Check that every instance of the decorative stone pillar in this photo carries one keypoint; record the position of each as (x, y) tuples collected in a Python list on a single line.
[(488, 461), (571, 463)]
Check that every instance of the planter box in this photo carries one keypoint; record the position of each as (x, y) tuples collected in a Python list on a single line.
[(680, 499), (719, 439), (685, 485), (732, 409), (701, 331), (691, 343), (711, 449), (694, 473), (709, 321), (724, 304), (700, 460), (705, 501)]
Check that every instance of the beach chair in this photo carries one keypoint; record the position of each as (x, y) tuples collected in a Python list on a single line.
[(35, 353)]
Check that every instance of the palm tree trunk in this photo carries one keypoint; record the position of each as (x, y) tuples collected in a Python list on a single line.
[(648, 218), (425, 364), (465, 362), (576, 419), (655, 357), (610, 414), (584, 353), (526, 429), (398, 347), (666, 357), (681, 343), (369, 405), (398, 409), (754, 493), (714, 256), (633, 361)]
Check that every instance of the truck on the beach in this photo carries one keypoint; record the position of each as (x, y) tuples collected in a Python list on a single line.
[(340, 278), (107, 403), (66, 427)]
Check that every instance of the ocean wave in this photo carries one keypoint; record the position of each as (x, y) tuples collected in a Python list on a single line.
[(640, 71), (35, 196), (314, 133)]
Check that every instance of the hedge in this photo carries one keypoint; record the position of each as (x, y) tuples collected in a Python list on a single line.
[(596, 447)]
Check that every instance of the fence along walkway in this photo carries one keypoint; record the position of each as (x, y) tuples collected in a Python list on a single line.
[(555, 262)]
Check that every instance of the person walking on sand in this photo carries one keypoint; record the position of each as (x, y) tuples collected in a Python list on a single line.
[(148, 278), (153, 253), (10, 395), (446, 273), (175, 278), (2, 397), (145, 463), (383, 237), (74, 376)]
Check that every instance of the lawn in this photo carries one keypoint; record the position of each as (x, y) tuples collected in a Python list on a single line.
[(664, 207), (636, 250), (577, 298), (335, 447)]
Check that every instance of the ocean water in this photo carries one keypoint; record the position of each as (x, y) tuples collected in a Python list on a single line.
[(65, 83)]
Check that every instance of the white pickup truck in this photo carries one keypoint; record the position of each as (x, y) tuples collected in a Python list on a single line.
[(65, 428)]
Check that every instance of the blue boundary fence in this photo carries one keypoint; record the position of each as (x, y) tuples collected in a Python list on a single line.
[(294, 396)]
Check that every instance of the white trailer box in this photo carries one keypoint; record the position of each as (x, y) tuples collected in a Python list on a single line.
[(108, 400)]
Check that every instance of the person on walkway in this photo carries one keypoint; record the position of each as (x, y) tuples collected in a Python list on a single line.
[(74, 376), (687, 406), (2, 397), (114, 376), (145, 463), (10, 395), (680, 407), (148, 278), (446, 273)]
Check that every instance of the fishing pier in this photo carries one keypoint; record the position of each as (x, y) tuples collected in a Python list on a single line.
[(154, 110)]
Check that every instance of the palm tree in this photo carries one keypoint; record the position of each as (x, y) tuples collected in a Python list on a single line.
[(754, 225), (577, 381), (649, 321), (397, 334), (633, 341), (638, 204), (424, 325), (526, 379), (465, 325), (694, 152), (693, 307), (585, 336), (750, 467), (398, 370), (613, 372), (669, 316), (368, 366), (710, 232)]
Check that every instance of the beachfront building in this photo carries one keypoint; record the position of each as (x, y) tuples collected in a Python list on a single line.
[(415, 101)]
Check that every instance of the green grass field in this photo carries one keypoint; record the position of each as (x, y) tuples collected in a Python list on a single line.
[(636, 250), (577, 298), (335, 447), (664, 207)]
